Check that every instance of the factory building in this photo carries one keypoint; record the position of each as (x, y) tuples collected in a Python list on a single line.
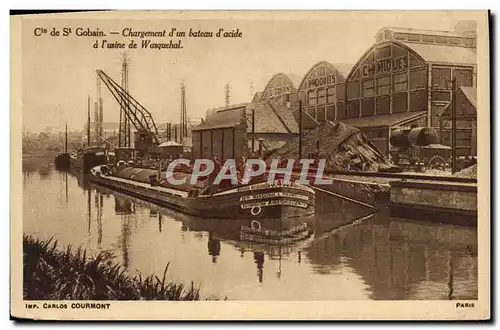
[(229, 132), (322, 93), (404, 79), (222, 133), (282, 89)]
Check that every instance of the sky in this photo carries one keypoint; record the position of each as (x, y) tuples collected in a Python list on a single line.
[(58, 73)]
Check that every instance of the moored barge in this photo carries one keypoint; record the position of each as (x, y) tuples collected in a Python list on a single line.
[(85, 159), (255, 201)]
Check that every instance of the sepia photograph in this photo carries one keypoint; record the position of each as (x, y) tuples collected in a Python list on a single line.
[(251, 164)]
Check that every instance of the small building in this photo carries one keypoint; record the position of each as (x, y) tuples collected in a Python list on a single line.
[(407, 75), (223, 132), (230, 131)]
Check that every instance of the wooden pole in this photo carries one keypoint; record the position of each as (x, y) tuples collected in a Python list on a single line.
[(317, 150), (453, 125), (120, 128), (253, 130), (300, 129)]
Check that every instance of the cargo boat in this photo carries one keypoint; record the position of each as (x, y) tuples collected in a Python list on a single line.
[(83, 160), (256, 201)]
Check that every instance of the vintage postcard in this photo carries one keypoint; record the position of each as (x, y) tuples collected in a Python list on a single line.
[(250, 165)]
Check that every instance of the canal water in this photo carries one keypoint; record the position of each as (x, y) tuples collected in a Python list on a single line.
[(350, 256)]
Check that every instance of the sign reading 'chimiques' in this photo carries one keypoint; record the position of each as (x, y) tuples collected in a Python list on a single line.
[(385, 66)]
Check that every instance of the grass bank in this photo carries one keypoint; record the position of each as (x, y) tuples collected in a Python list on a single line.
[(51, 273)]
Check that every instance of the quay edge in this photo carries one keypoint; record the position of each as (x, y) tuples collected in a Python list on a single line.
[(443, 202)]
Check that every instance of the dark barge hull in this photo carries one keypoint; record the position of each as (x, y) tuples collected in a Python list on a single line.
[(231, 230), (62, 161), (259, 201), (89, 159)]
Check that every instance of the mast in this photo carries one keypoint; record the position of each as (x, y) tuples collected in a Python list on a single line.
[(124, 131), (96, 124), (100, 110), (88, 121), (183, 121)]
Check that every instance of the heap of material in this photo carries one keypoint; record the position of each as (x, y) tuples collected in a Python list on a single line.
[(344, 147), (468, 172)]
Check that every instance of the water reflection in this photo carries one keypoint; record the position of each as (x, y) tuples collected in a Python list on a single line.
[(259, 261), (160, 220), (213, 247), (375, 258), (399, 258), (89, 211), (123, 206)]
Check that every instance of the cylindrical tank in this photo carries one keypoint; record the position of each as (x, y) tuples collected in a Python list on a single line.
[(399, 138), (419, 136), (423, 136)]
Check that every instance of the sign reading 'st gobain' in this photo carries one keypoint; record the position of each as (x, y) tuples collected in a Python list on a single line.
[(203, 168)]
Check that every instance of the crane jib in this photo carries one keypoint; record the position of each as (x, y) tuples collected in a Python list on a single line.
[(135, 112)]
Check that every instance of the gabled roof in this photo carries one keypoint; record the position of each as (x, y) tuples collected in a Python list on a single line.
[(269, 118), (384, 120), (225, 117), (471, 94), (308, 122), (443, 54), (285, 115), (272, 118)]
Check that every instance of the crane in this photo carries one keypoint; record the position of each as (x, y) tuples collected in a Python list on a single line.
[(135, 112)]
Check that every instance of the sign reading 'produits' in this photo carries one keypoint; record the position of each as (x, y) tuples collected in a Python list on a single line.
[(385, 66), (325, 80)]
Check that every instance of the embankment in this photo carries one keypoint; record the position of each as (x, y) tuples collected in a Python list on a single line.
[(51, 273)]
